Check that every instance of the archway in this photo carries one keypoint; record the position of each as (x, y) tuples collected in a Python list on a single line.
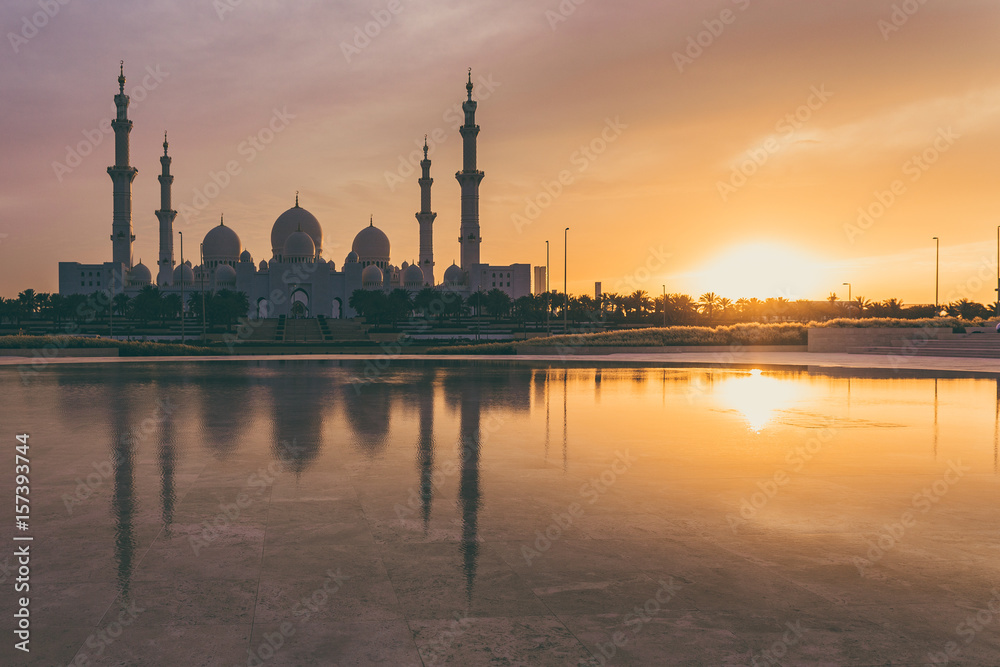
[(338, 308), (263, 308), (299, 303)]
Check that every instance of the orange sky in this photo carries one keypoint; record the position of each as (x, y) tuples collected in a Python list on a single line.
[(645, 209)]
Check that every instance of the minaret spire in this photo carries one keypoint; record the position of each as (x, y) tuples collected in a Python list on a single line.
[(425, 218), (165, 274), (469, 179), (122, 175)]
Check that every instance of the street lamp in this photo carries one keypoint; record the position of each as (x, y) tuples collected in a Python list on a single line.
[(937, 270), (182, 285), (664, 305), (548, 328), (204, 330), (997, 313), (565, 288), (849, 291)]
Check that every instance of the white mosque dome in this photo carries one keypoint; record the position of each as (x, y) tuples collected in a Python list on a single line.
[(413, 276), (184, 273), (140, 275), (246, 257), (225, 274), (402, 267), (352, 258), (371, 276), (372, 245), (263, 265), (454, 275), (293, 220), (222, 244), (299, 245)]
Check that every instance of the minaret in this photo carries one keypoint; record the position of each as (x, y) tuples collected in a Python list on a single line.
[(469, 179), (166, 217), (426, 220), (122, 175)]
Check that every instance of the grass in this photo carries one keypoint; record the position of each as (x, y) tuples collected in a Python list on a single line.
[(753, 333), (125, 348)]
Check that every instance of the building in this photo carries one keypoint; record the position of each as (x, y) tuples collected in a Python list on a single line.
[(297, 271)]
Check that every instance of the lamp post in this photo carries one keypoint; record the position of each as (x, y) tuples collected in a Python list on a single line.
[(204, 330), (664, 305), (937, 270), (849, 292), (182, 285), (565, 287), (548, 328), (997, 312)]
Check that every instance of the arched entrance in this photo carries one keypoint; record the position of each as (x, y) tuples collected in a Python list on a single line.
[(338, 309), (299, 303), (263, 308)]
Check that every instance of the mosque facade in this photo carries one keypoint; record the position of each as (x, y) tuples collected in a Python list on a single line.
[(297, 270)]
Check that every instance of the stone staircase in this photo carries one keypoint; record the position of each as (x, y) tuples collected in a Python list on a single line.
[(974, 345)]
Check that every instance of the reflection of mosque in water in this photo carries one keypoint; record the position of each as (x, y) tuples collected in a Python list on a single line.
[(299, 398)]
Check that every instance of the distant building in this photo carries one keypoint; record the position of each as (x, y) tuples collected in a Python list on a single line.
[(540, 282), (297, 270)]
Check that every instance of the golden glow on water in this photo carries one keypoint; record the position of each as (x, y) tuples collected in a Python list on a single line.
[(756, 396)]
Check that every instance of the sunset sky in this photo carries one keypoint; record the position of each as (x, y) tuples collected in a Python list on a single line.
[(828, 106)]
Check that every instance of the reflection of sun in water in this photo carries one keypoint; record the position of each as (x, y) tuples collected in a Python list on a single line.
[(756, 396)]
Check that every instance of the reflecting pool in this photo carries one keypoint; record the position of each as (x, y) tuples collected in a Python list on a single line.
[(507, 513)]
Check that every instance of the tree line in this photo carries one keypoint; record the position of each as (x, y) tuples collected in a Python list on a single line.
[(223, 307)]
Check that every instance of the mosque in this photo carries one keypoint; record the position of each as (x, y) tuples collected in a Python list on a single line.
[(297, 271)]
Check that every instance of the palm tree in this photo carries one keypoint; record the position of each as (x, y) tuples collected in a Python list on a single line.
[(724, 305), (709, 302), (862, 305), (27, 302), (497, 303)]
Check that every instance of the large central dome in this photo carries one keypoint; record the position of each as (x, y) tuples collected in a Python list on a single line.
[(291, 221), (372, 246)]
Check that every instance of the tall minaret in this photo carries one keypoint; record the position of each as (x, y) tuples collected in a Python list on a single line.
[(166, 217), (122, 175), (469, 179), (426, 220)]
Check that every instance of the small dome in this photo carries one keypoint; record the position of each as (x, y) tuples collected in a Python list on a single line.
[(263, 265), (222, 244), (299, 245), (140, 275), (454, 275), (352, 258), (372, 245), (293, 220), (184, 273), (225, 274), (403, 266), (245, 257), (371, 276), (413, 276)]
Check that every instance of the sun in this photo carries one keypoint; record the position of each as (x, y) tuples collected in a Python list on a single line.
[(760, 270)]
